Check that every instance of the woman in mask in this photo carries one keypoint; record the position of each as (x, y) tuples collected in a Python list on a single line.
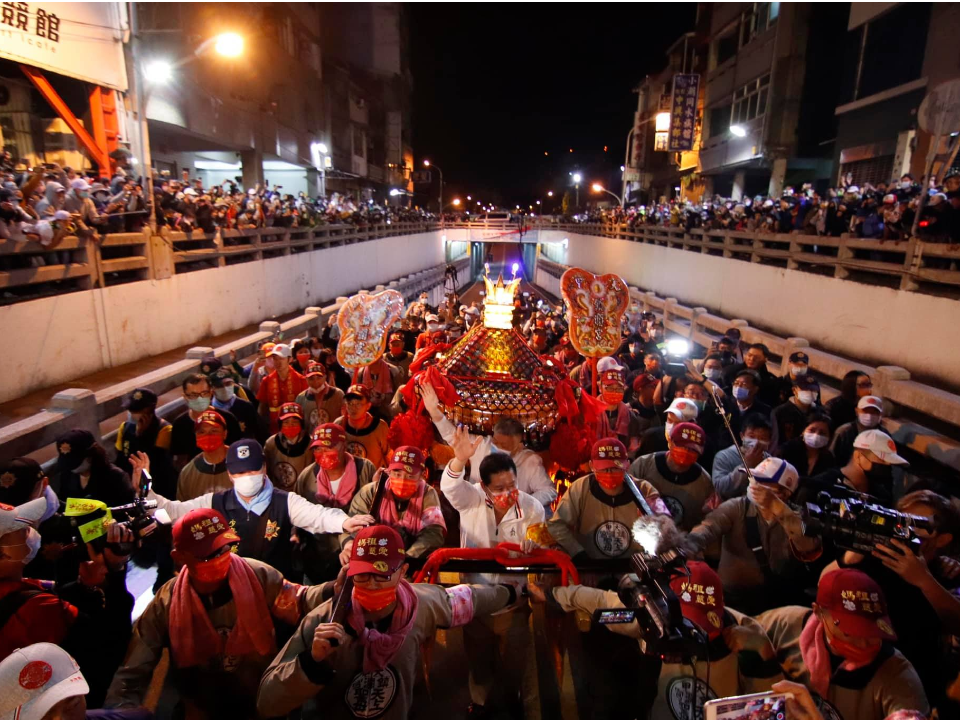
[(410, 506), (288, 452), (843, 408), (301, 356), (809, 453), (85, 471)]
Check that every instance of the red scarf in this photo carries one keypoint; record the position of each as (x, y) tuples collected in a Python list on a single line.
[(381, 383), (380, 648), (194, 640), (415, 517), (622, 428), (345, 490), (816, 656)]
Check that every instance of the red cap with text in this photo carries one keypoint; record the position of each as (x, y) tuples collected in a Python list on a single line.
[(202, 532), (701, 597), (211, 417), (611, 377), (291, 410), (856, 603), (688, 435), (376, 549), (407, 457), (609, 453), (328, 435), (315, 368)]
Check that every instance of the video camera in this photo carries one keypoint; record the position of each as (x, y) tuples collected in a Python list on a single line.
[(854, 523), (649, 600)]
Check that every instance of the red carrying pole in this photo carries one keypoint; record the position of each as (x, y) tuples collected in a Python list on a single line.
[(593, 367)]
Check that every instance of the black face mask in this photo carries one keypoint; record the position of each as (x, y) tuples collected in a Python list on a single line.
[(880, 475)]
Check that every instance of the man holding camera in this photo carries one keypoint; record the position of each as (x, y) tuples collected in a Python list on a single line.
[(868, 470), (739, 658)]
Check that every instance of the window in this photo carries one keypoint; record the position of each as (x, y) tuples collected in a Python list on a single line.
[(726, 47), (719, 120), (872, 170), (758, 19), (750, 101)]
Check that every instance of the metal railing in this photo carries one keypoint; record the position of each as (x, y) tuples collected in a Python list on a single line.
[(31, 270), (913, 265), (86, 409), (922, 417)]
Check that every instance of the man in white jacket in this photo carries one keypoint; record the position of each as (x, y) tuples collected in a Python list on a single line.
[(493, 512), (262, 515), (507, 438)]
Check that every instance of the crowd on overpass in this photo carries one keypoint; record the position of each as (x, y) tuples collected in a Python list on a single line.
[(288, 477), (46, 203), (885, 211)]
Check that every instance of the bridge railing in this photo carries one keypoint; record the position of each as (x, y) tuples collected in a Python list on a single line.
[(31, 270), (922, 417), (86, 409), (913, 265)]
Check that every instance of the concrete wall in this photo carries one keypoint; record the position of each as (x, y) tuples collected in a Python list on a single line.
[(68, 336), (875, 325)]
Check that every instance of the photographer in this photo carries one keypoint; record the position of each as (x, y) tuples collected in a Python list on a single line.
[(89, 616), (921, 600), (842, 650), (763, 546), (729, 477), (868, 469), (739, 657)]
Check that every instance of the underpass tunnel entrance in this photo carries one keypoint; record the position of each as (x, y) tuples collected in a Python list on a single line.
[(502, 257)]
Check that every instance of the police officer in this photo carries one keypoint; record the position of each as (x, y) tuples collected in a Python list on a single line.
[(143, 431)]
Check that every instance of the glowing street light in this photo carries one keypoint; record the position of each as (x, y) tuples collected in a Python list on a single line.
[(738, 130), (469, 198), (229, 44), (158, 72), (426, 163), (456, 201), (515, 267), (549, 193), (577, 177), (597, 187)]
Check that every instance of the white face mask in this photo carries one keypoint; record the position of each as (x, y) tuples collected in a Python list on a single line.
[(224, 394), (248, 485), (668, 428), (432, 327), (750, 443), (815, 440), (868, 420), (806, 397), (32, 544), (798, 370), (53, 503), (269, 363), (713, 373), (315, 352)]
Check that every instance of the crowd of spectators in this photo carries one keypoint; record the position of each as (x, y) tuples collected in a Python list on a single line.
[(885, 211), (48, 202)]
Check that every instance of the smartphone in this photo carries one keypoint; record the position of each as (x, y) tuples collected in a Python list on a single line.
[(615, 617), (759, 706)]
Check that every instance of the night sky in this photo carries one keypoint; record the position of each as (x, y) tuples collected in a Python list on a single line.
[(497, 85)]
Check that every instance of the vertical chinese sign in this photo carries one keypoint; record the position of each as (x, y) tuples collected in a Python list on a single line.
[(683, 112)]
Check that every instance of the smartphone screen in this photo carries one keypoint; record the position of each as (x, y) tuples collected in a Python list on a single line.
[(760, 706), (615, 617)]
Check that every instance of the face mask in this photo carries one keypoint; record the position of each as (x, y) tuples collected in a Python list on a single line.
[(713, 373), (754, 443), (684, 457), (806, 397), (432, 327), (290, 433), (905, 185), (374, 600), (209, 443), (610, 480), (32, 543), (505, 500), (403, 489), (315, 352), (868, 420), (225, 394), (326, 459), (881, 475), (741, 393), (198, 404), (798, 370), (612, 397), (853, 653), (53, 503), (699, 403), (668, 428), (270, 363), (815, 440), (83, 468), (212, 571), (303, 358), (248, 485)]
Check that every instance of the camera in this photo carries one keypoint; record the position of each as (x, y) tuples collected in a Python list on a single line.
[(855, 524), (675, 358), (649, 600)]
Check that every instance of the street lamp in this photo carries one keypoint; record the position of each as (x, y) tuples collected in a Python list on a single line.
[(469, 198), (738, 131), (597, 187), (456, 201), (229, 44), (577, 177), (427, 163)]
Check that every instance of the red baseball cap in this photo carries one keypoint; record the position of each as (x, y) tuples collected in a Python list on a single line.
[(407, 457), (376, 549), (611, 377), (291, 410), (328, 435), (688, 435), (701, 597), (202, 532), (856, 603), (609, 453), (396, 338), (211, 417), (361, 390), (315, 368)]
